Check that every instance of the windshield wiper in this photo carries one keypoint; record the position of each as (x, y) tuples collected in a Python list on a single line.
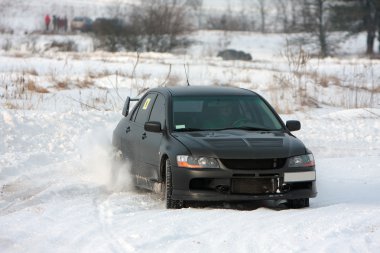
[(249, 128), (188, 129)]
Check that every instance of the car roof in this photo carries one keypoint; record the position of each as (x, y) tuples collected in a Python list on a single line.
[(203, 90)]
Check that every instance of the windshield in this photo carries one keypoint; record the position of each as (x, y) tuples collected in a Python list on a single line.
[(196, 113)]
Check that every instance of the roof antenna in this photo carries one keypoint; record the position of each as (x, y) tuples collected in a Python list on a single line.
[(187, 73)]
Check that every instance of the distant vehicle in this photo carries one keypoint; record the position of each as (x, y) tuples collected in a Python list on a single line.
[(105, 26), (231, 54), (214, 144), (83, 24)]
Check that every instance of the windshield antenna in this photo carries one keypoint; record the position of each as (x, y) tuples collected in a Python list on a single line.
[(187, 73)]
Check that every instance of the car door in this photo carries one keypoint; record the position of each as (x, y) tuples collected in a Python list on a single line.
[(150, 145), (128, 140), (136, 133)]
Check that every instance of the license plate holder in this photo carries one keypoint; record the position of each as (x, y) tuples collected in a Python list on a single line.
[(253, 185)]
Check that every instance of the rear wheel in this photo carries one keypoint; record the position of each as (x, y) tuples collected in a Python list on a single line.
[(298, 203), (168, 189)]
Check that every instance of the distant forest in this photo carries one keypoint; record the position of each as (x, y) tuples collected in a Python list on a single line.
[(161, 25)]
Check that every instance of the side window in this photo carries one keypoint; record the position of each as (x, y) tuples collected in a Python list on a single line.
[(158, 111), (144, 109), (134, 112)]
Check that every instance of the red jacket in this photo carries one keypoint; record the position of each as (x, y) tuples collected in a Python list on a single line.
[(47, 19)]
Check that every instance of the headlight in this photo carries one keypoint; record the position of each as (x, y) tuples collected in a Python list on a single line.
[(196, 162), (302, 161)]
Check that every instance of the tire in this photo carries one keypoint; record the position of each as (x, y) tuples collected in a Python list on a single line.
[(168, 188), (298, 203)]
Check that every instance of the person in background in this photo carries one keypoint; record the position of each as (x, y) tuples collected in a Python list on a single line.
[(55, 23), (65, 23), (47, 22)]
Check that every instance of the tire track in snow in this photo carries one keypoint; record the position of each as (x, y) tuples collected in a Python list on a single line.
[(106, 218), (19, 195), (116, 206)]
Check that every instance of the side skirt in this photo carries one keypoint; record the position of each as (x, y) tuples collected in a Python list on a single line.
[(148, 184)]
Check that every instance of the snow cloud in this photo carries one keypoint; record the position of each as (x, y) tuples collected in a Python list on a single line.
[(99, 162)]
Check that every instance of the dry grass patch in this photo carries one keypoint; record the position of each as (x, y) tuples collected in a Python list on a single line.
[(324, 80), (10, 105), (77, 57), (246, 79), (103, 73), (173, 80), (62, 85), (20, 55), (21, 105), (33, 87), (376, 89), (282, 109), (32, 72), (85, 83)]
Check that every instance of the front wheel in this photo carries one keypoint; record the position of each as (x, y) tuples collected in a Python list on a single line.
[(168, 189), (298, 203)]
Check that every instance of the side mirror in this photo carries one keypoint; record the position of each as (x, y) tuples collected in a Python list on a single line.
[(126, 106), (293, 125), (153, 126)]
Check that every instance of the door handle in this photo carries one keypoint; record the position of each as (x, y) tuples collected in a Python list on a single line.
[(143, 136), (128, 129)]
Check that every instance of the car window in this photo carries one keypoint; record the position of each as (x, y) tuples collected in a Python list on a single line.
[(220, 112), (259, 112), (145, 108), (134, 112), (158, 111)]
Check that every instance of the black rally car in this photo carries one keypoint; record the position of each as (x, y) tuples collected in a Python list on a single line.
[(214, 144)]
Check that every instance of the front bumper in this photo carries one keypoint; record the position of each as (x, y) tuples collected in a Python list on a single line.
[(237, 185)]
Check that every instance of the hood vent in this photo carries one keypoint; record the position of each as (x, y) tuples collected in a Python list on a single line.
[(227, 143), (265, 142)]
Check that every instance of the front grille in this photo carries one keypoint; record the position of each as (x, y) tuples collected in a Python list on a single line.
[(253, 186), (254, 164)]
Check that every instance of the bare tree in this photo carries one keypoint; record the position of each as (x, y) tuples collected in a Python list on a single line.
[(355, 16), (294, 13), (282, 14), (307, 17), (160, 23), (6, 5), (315, 22), (322, 26), (157, 25), (111, 32), (370, 22), (117, 9), (262, 9), (234, 19), (244, 18), (197, 7)]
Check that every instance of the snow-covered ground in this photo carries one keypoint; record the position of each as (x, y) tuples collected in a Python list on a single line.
[(58, 192)]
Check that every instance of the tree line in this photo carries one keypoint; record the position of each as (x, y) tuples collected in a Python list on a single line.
[(161, 25)]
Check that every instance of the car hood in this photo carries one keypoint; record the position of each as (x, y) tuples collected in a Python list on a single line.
[(240, 144)]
